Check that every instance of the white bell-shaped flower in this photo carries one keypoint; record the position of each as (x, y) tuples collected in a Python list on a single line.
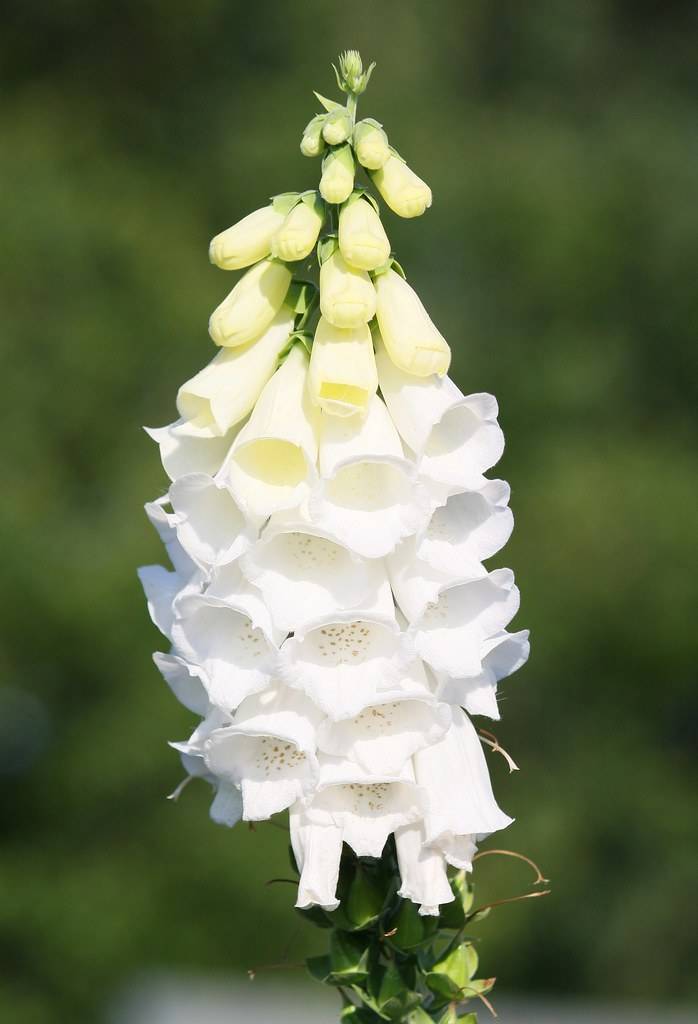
[(304, 574), (367, 807), (317, 849), (337, 179), (403, 190), (368, 496), (268, 751), (271, 465), (343, 376), (211, 526), (502, 654), (249, 309), (383, 737), (298, 235), (454, 437), (186, 447), (226, 808), (186, 681), (224, 392), (410, 338), (422, 871), (343, 662), (362, 238), (228, 632), (162, 587), (247, 241), (165, 525), (448, 626), (347, 295), (370, 144), (459, 814)]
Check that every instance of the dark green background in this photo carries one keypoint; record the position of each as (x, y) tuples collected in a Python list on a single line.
[(559, 258)]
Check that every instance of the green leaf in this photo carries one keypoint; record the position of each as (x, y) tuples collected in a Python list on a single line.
[(329, 105), (364, 900), (358, 1015), (418, 1016), (395, 998), (349, 956), (450, 976), (318, 967), (408, 925), (326, 247), (454, 915)]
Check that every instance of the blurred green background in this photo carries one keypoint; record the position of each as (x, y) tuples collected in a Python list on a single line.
[(559, 258)]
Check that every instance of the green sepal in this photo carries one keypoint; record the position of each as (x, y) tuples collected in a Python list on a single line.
[(371, 121), (329, 105), (364, 900), (479, 915), (326, 247), (318, 967), (393, 991), (362, 193), (395, 153), (450, 1016), (478, 987), (312, 198), (418, 1016), (349, 958), (450, 976), (411, 929), (285, 201), (301, 296), (358, 1015), (390, 264)]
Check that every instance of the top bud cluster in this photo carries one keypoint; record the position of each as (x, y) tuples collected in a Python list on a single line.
[(360, 282)]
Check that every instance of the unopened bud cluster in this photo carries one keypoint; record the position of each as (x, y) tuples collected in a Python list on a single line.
[(329, 615)]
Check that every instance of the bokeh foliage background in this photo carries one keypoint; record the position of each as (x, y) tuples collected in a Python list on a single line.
[(559, 259)]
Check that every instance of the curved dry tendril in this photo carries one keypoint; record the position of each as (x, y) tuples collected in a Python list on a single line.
[(491, 740), (540, 878)]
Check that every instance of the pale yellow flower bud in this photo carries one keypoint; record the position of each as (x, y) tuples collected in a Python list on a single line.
[(362, 238), (247, 241), (404, 192), (347, 296), (297, 236), (411, 339), (312, 143), (370, 145), (342, 375), (337, 127), (251, 306), (337, 179)]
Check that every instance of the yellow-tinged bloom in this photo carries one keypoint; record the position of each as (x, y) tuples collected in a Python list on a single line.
[(337, 127), (312, 143), (347, 296), (343, 375), (370, 145), (252, 305), (247, 241), (411, 339), (298, 234), (362, 238), (337, 179), (404, 192)]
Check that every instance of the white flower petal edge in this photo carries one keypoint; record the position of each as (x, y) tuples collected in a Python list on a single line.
[(271, 465), (422, 871), (225, 391), (305, 574), (188, 448), (185, 681), (317, 849), (229, 634), (368, 496), (344, 662), (269, 751), (454, 437), (210, 525), (165, 525), (502, 654), (383, 737), (448, 634), (366, 807), (226, 808), (461, 805)]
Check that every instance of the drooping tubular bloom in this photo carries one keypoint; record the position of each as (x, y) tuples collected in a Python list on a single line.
[(328, 613)]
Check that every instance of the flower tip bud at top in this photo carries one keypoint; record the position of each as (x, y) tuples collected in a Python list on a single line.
[(337, 127), (347, 296), (362, 238), (312, 143), (342, 376), (247, 241), (370, 145), (337, 179), (299, 232), (410, 338), (404, 192), (351, 76), (252, 305)]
